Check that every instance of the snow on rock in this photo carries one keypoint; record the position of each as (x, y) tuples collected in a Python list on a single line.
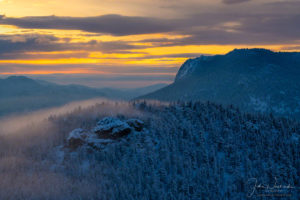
[(76, 138), (190, 66), (112, 128), (187, 68), (107, 131), (137, 124), (96, 143)]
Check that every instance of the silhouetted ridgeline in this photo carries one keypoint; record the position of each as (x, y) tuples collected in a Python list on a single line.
[(19, 94), (255, 80), (190, 150)]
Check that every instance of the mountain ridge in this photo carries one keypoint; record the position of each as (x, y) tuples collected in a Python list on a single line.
[(256, 80), (22, 94)]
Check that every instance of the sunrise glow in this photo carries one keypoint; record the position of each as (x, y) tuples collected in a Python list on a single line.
[(50, 36)]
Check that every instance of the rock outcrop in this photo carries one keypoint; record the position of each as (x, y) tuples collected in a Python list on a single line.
[(137, 124), (112, 128), (108, 130), (76, 138)]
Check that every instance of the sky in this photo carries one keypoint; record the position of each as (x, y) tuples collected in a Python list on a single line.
[(133, 43)]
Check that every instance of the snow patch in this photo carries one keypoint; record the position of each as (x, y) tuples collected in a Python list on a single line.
[(189, 67)]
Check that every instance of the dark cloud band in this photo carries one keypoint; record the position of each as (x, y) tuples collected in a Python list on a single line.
[(109, 24)]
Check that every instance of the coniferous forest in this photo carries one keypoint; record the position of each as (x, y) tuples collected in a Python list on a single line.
[(186, 150)]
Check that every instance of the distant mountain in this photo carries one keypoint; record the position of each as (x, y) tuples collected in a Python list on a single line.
[(256, 80), (22, 94)]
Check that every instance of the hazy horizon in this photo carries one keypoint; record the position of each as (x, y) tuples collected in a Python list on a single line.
[(134, 43), (97, 81)]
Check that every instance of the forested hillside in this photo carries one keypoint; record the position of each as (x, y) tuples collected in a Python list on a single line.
[(255, 80), (187, 150)]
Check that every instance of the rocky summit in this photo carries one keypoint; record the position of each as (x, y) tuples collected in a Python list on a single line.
[(107, 131)]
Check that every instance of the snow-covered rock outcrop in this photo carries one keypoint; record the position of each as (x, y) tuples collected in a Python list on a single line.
[(112, 128), (76, 138), (108, 130), (137, 124)]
